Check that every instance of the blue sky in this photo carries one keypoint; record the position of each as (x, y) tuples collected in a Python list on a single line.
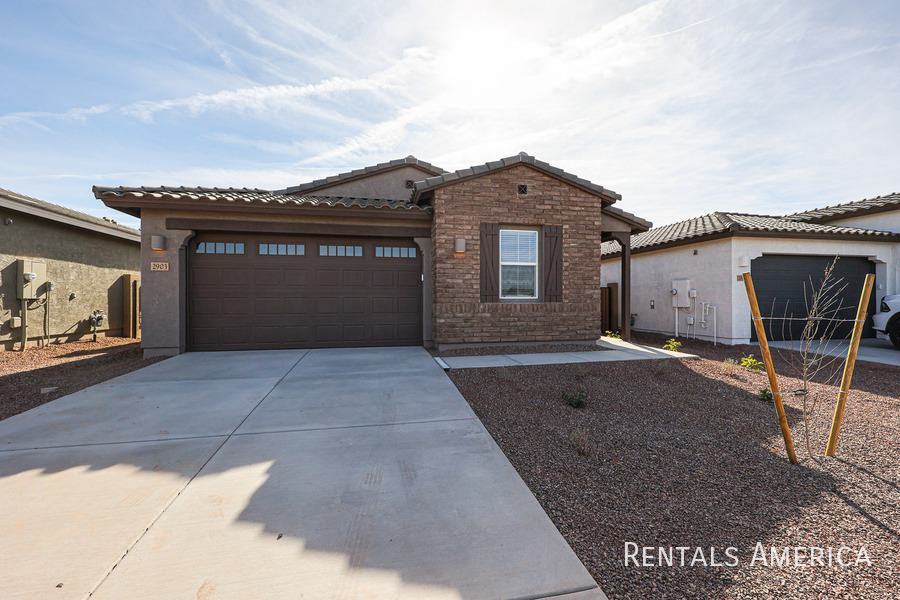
[(682, 107)]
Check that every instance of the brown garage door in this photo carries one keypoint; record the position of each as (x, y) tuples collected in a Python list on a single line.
[(262, 292)]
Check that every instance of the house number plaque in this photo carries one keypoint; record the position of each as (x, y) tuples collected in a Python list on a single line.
[(159, 266)]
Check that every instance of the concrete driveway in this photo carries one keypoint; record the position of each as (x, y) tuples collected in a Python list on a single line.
[(281, 474), (870, 350)]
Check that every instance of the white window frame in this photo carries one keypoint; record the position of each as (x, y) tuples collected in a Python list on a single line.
[(519, 264)]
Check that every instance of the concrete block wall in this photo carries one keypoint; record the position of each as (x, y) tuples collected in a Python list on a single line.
[(459, 209)]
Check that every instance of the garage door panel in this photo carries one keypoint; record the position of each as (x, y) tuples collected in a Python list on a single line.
[(785, 283), (298, 305), (328, 279), (271, 305), (354, 333), (266, 277), (354, 306), (383, 278), (296, 277), (408, 279), (328, 333), (205, 306), (354, 278), (408, 305), (304, 298)]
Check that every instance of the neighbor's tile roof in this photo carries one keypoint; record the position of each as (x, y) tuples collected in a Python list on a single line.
[(411, 161), (244, 196), (63, 214), (504, 163), (848, 209), (720, 222)]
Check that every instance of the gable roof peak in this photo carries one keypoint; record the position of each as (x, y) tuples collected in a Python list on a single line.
[(432, 183)]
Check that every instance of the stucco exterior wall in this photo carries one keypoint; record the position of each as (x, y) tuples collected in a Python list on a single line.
[(886, 221), (86, 267), (459, 210), (388, 186), (652, 274), (714, 272)]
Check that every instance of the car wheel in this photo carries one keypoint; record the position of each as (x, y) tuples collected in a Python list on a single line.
[(894, 334)]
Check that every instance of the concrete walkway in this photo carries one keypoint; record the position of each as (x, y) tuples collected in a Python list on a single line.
[(280, 474), (870, 350), (612, 350)]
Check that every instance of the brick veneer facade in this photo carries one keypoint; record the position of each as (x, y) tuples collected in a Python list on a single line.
[(459, 210)]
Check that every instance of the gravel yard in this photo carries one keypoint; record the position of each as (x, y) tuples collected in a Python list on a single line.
[(684, 453), (65, 367)]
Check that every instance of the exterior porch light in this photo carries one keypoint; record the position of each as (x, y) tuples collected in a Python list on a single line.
[(460, 246), (157, 242)]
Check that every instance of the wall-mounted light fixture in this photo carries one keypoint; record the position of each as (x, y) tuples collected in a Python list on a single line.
[(743, 261), (7, 221), (460, 246), (157, 242)]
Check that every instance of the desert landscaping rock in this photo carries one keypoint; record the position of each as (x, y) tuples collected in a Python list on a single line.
[(684, 453)]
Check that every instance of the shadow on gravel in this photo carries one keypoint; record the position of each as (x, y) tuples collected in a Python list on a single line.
[(21, 391), (675, 459)]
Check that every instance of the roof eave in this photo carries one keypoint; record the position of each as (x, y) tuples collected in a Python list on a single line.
[(331, 181), (37, 211)]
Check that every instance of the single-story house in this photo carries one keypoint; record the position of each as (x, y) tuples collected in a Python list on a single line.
[(687, 276), (401, 253), (78, 263)]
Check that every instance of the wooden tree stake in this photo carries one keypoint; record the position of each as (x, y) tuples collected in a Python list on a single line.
[(848, 366), (770, 368)]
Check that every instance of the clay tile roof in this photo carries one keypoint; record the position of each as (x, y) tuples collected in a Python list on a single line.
[(364, 172), (849, 209), (432, 183), (62, 214), (245, 196), (723, 223)]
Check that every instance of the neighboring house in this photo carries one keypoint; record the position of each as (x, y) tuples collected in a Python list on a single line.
[(782, 254), (400, 253), (78, 261)]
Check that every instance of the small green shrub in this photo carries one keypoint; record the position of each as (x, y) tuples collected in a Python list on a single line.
[(584, 445), (614, 334), (750, 364), (672, 345), (730, 366), (575, 400), (765, 394)]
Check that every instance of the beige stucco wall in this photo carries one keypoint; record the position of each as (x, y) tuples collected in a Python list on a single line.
[(81, 263), (387, 186)]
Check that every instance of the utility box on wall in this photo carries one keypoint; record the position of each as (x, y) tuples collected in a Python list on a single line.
[(680, 295), (32, 282)]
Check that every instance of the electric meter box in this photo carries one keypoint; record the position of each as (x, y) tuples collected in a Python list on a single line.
[(681, 299), (28, 287)]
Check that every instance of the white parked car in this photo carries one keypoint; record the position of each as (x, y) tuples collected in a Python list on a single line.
[(887, 319)]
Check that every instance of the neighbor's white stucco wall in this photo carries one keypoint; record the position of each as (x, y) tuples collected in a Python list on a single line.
[(886, 221), (882, 254), (714, 271), (652, 274)]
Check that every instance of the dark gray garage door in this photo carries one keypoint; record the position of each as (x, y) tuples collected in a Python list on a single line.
[(264, 292), (779, 281)]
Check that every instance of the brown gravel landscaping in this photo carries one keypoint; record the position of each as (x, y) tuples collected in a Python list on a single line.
[(684, 453), (66, 367)]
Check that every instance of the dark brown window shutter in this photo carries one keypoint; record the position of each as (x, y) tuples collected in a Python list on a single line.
[(490, 262), (552, 264)]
